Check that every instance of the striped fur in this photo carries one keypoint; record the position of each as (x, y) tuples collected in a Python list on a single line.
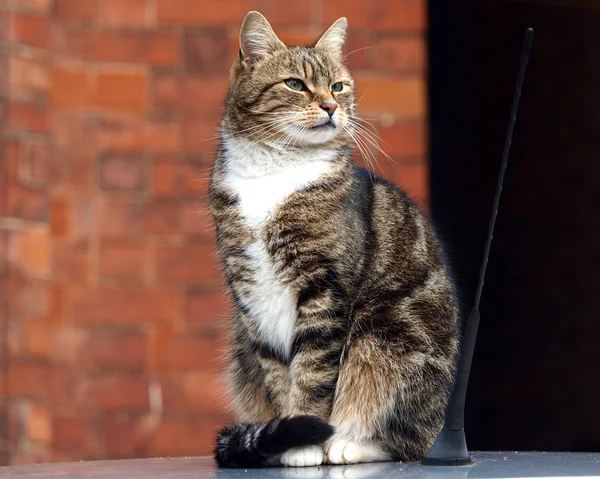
[(345, 310)]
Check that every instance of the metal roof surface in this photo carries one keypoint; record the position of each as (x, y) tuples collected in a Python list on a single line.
[(487, 465)]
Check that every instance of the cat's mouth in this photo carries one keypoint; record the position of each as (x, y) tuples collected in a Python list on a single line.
[(329, 124)]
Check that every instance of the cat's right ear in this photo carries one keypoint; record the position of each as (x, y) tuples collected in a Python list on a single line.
[(257, 39)]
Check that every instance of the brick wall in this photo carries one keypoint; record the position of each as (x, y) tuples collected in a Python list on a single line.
[(111, 301)]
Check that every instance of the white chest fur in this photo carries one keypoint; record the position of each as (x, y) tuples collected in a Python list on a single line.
[(262, 180)]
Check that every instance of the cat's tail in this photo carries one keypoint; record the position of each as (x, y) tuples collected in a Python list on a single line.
[(253, 444)]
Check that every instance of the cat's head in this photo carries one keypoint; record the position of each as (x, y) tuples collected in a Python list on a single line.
[(290, 95)]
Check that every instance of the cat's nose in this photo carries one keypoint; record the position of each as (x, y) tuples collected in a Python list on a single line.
[(329, 107)]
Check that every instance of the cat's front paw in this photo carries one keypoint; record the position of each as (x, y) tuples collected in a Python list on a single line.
[(343, 451), (347, 451), (303, 456)]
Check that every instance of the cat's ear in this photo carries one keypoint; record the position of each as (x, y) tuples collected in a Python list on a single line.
[(333, 39), (257, 39)]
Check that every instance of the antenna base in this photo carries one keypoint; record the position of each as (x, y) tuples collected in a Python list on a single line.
[(449, 449)]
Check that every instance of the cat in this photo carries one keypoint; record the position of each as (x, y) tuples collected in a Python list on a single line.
[(345, 329)]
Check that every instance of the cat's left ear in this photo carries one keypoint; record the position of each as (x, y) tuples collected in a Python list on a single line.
[(257, 39), (333, 39)]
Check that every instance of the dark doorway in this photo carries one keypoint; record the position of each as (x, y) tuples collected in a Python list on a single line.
[(535, 381)]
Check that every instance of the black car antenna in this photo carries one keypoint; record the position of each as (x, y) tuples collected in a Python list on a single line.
[(450, 447)]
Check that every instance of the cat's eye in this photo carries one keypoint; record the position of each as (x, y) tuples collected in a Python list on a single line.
[(295, 84), (337, 87)]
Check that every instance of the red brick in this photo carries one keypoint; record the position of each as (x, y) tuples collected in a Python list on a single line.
[(401, 98), (112, 391), (199, 135), (206, 308), (157, 136), (204, 392), (404, 139), (180, 179), (69, 432), (162, 218), (38, 421), (72, 86), (3, 260), (30, 29), (111, 219), (15, 336), (28, 115), (72, 132), (122, 91), (124, 305), (32, 455), (59, 217), (29, 296), (192, 264), (12, 155), (122, 172), (197, 220), (38, 6), (157, 48), (38, 159), (167, 90), (57, 303), (122, 13), (71, 173), (77, 433), (413, 178), (129, 435), (207, 13), (123, 259), (29, 379), (290, 36), (205, 95), (38, 337), (106, 346), (26, 202), (400, 15), (358, 49), (30, 250), (193, 391), (188, 352), (189, 435), (74, 9), (207, 52), (289, 13), (400, 54), (70, 261)]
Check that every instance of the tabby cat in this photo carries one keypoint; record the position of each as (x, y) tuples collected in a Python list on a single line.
[(345, 329)]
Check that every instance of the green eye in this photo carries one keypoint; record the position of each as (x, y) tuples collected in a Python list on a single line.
[(337, 87), (295, 84)]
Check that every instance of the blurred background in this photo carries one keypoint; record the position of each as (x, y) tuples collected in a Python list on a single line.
[(111, 302)]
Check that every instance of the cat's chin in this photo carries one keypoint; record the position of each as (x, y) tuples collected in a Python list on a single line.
[(318, 136)]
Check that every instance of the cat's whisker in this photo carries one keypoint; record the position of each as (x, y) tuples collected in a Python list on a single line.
[(362, 152), (267, 126), (367, 143), (372, 137), (365, 149), (271, 131), (360, 50)]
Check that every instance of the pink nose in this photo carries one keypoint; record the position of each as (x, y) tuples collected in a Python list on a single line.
[(329, 108)]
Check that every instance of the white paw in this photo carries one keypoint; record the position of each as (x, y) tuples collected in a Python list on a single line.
[(343, 451), (346, 451), (303, 456)]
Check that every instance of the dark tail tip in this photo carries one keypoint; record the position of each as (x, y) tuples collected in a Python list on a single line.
[(250, 445)]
